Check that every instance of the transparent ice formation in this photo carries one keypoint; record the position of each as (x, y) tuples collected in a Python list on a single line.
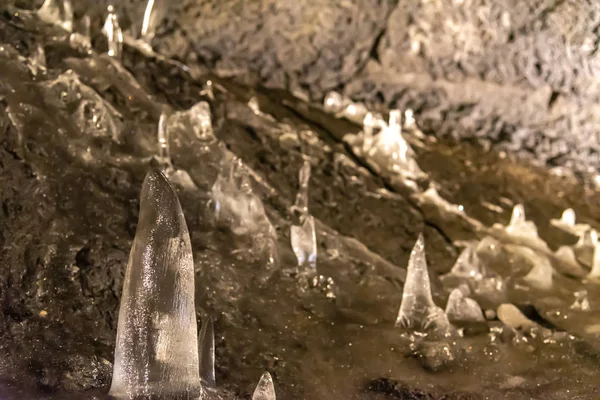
[(265, 390), (372, 124), (341, 106), (519, 226), (334, 102), (469, 268), (113, 33), (304, 244), (540, 276), (200, 118), (462, 308), (156, 350), (164, 153), (301, 204), (409, 119), (521, 231), (567, 223), (417, 310), (585, 247), (152, 15), (241, 209), (595, 272), (206, 351), (581, 301), (81, 39), (390, 152), (58, 12), (90, 112), (513, 317)]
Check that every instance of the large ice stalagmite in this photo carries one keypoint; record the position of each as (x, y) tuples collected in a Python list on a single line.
[(265, 390), (417, 310), (156, 351)]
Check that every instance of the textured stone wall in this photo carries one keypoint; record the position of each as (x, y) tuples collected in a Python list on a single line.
[(523, 74)]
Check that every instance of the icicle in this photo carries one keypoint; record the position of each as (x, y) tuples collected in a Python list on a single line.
[(417, 310), (150, 21), (394, 121), (301, 204), (513, 317), (595, 272), (113, 34), (462, 308), (265, 389), (200, 119), (207, 354), (164, 153), (58, 12), (304, 244), (156, 351)]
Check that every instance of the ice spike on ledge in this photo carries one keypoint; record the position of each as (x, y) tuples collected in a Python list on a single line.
[(567, 222), (417, 310), (58, 12), (304, 244), (519, 226), (301, 204), (113, 33), (206, 353), (151, 20), (156, 349), (265, 390), (462, 308)]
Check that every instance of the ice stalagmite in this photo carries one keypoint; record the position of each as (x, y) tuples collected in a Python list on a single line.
[(595, 272), (152, 16), (265, 389), (390, 152), (156, 349), (567, 223), (58, 12), (206, 352), (519, 226), (113, 33), (417, 310), (304, 244), (462, 308), (301, 205)]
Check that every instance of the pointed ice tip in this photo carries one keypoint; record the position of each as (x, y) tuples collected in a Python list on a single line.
[(568, 217), (518, 215), (417, 310), (113, 33), (156, 348), (207, 354), (265, 390)]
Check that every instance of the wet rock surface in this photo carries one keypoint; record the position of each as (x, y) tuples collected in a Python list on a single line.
[(70, 201)]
